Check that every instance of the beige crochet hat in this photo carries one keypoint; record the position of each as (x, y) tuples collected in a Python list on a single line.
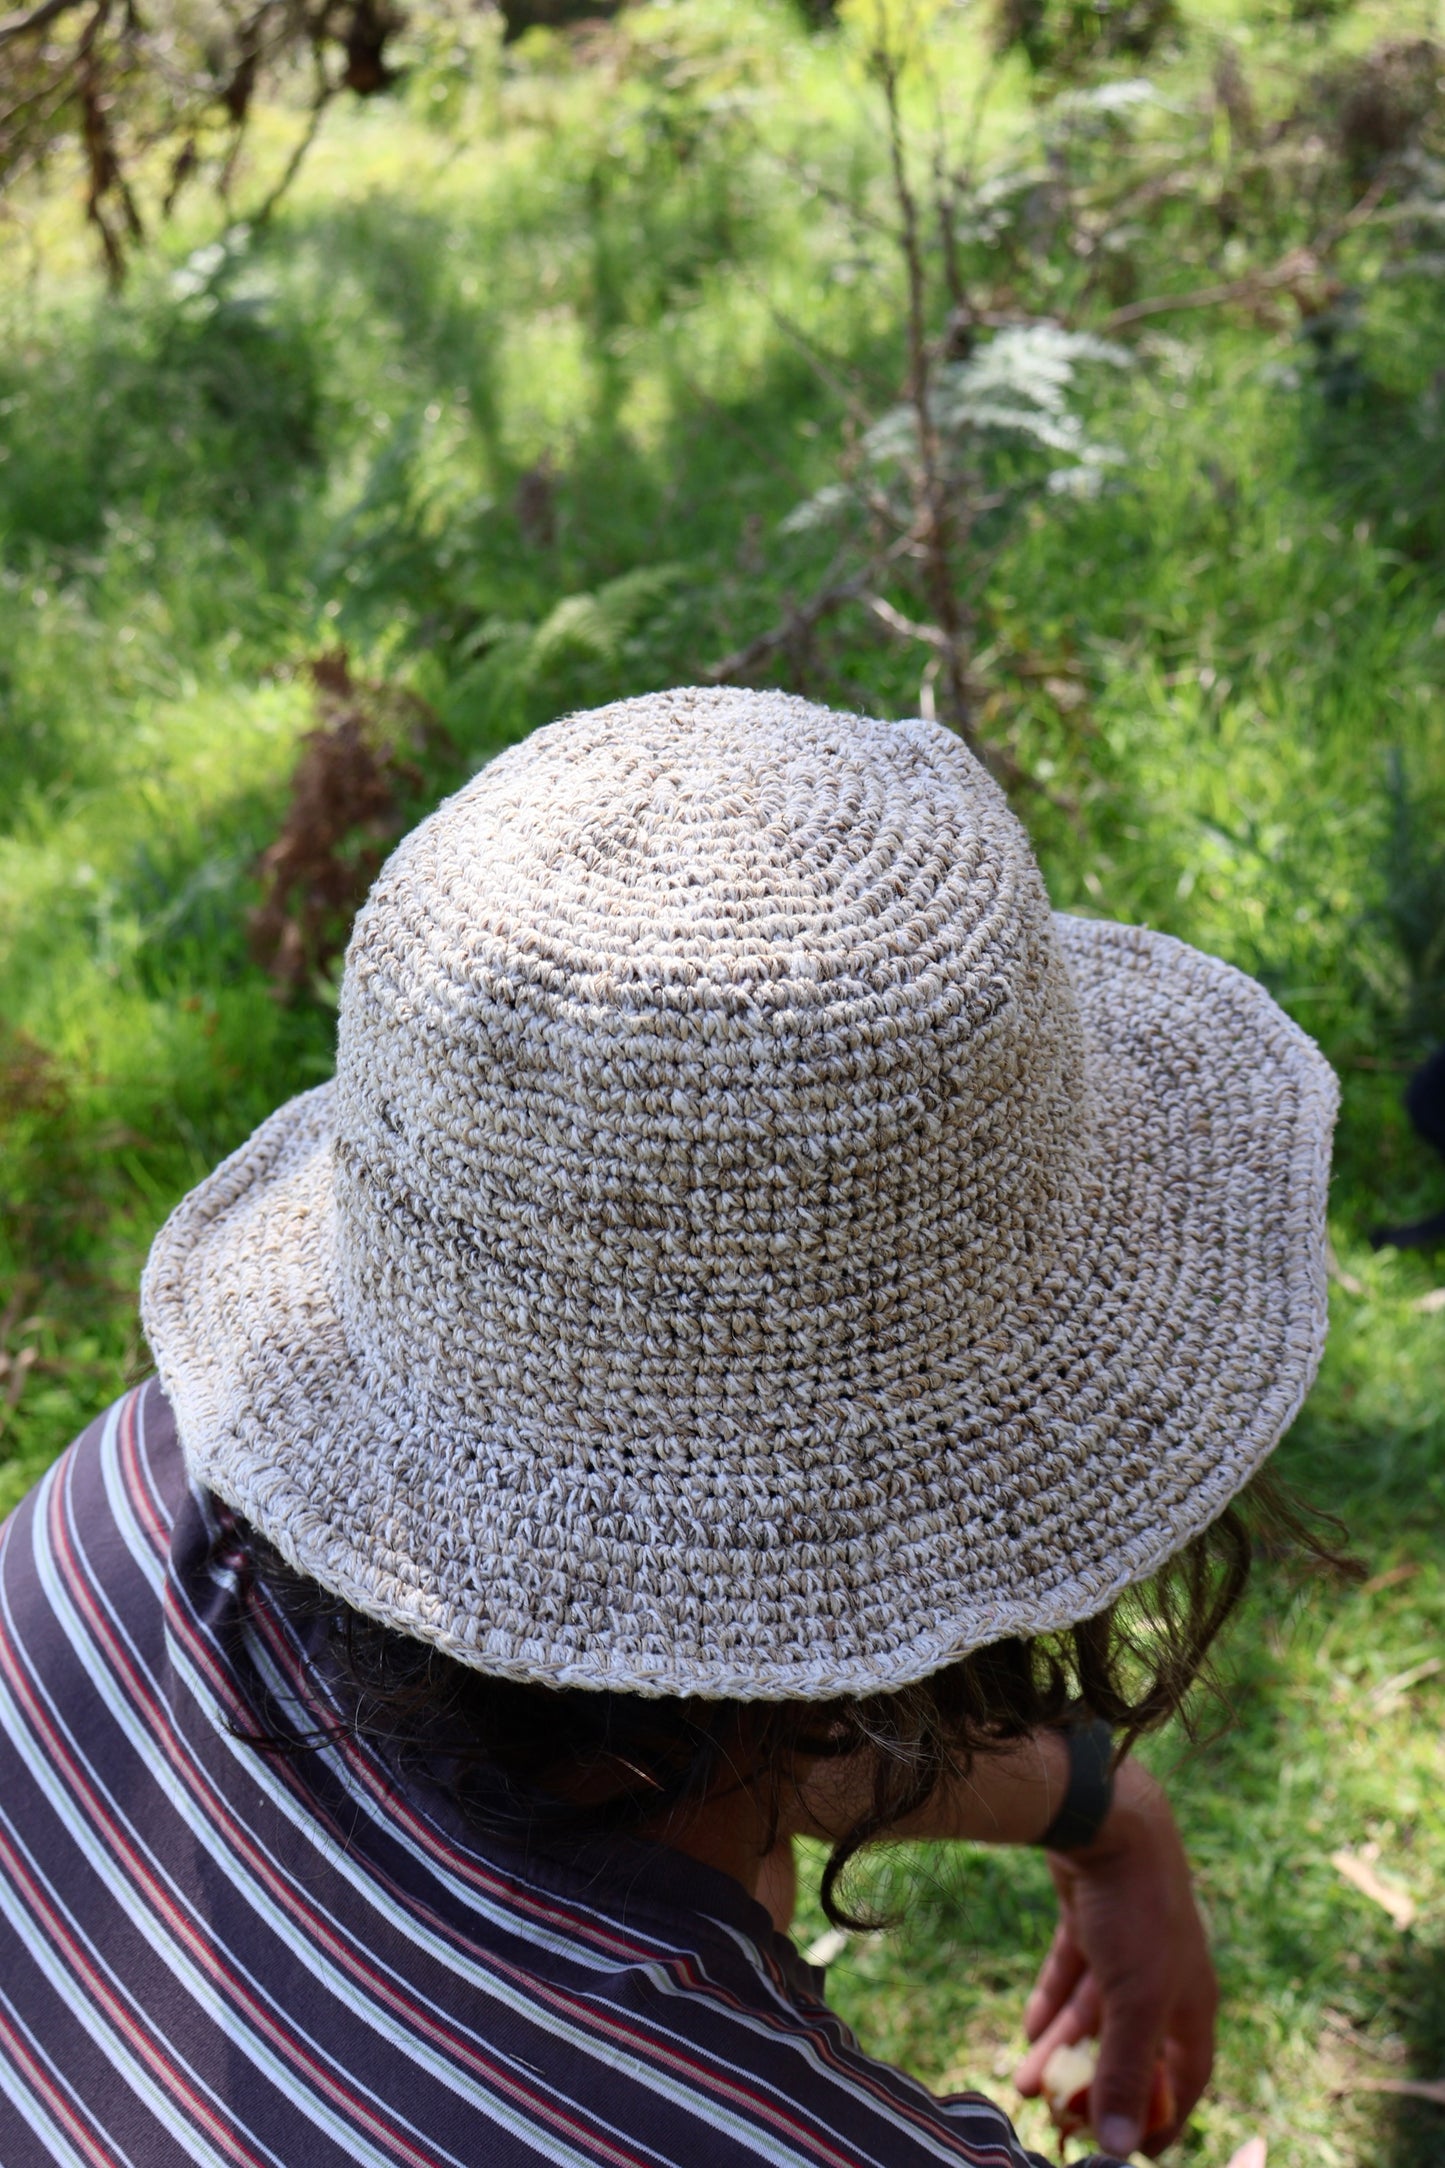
[(751, 1245)]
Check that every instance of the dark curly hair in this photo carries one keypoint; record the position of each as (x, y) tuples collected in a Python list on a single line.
[(546, 1767)]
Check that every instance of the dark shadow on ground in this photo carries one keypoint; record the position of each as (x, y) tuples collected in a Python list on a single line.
[(1417, 2127)]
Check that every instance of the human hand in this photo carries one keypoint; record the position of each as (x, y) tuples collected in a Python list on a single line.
[(1130, 1965)]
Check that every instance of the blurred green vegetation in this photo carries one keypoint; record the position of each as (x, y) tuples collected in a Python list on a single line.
[(512, 400)]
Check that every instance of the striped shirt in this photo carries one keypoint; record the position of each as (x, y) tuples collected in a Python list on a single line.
[(210, 1952)]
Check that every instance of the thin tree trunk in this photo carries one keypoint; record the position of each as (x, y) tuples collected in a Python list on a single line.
[(934, 514)]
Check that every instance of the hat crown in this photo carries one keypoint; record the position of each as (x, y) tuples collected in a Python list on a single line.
[(681, 1053)]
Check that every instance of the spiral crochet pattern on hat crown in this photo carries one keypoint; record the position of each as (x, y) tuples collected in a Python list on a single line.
[(751, 1245), (695, 1088)]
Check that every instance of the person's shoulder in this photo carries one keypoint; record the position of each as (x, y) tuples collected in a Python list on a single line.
[(84, 1565), (874, 2114), (117, 1486), (957, 2127)]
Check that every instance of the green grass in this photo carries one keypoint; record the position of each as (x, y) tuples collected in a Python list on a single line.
[(621, 267)]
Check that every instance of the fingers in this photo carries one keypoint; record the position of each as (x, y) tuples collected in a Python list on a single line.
[(1077, 2020), (1059, 1975), (1252, 2154), (1119, 2101), (1189, 2050), (1144, 2089)]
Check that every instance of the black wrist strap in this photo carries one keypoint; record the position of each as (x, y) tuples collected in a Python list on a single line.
[(1089, 1792)]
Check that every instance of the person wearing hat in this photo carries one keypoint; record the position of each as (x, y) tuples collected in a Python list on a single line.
[(764, 1334)]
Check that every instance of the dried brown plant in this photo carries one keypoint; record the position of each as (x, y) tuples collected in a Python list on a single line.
[(354, 785)]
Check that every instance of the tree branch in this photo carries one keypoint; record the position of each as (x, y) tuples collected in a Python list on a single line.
[(934, 522), (1300, 264), (1290, 272), (906, 628), (37, 18), (325, 92), (801, 618)]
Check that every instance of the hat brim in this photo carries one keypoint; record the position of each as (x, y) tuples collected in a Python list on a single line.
[(1153, 1361)]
